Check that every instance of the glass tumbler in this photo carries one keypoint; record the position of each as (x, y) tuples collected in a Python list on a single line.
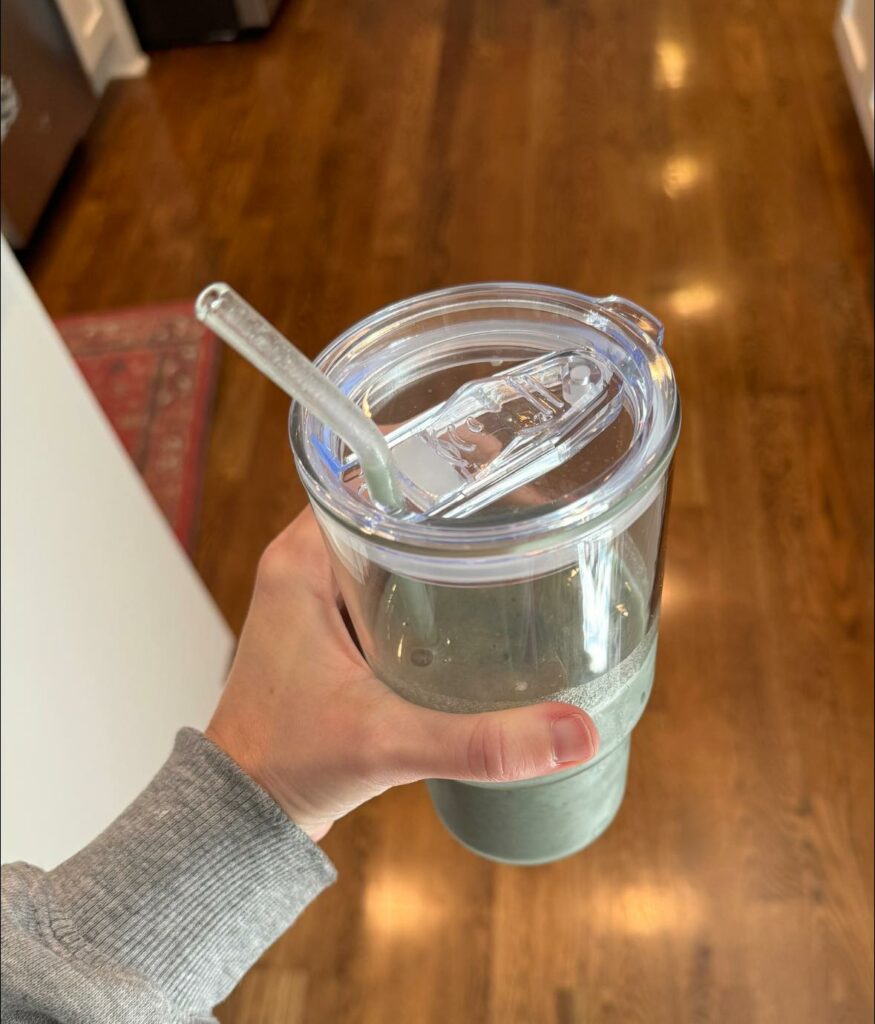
[(550, 591)]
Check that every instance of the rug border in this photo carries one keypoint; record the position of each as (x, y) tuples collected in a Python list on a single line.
[(206, 375)]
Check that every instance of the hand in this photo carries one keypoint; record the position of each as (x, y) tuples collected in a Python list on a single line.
[(304, 715)]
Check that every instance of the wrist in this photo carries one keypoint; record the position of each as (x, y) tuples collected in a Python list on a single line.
[(248, 755)]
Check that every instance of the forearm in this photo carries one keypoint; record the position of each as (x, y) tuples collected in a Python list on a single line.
[(158, 918)]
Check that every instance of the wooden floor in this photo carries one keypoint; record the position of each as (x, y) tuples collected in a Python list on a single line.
[(703, 159)]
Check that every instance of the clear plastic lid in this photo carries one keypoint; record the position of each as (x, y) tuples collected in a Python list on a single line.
[(512, 411)]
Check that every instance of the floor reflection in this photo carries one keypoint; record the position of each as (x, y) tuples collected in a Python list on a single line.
[(644, 910), (679, 174), (693, 300), (401, 907), (671, 64)]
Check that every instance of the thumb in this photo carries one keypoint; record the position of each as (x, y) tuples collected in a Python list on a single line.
[(496, 746)]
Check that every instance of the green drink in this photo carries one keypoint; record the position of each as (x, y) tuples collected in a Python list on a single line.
[(545, 819), (501, 647)]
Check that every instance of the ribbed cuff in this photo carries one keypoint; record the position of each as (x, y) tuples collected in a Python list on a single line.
[(194, 880)]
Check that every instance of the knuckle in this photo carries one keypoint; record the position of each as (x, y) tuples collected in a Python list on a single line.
[(297, 554), (273, 565), (490, 754)]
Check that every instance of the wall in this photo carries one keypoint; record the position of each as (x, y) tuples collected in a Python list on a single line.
[(104, 39), (854, 38), (110, 641)]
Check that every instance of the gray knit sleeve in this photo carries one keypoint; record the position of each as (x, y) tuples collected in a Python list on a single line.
[(159, 917)]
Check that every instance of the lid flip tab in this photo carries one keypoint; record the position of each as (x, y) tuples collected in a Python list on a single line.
[(501, 432)]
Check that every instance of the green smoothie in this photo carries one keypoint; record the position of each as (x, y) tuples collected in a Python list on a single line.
[(545, 819), (581, 636)]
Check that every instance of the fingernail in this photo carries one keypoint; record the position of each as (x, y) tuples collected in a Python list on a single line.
[(572, 740)]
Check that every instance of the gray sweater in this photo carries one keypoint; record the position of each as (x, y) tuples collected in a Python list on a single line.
[(159, 917)]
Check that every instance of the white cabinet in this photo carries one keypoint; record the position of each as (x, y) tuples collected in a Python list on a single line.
[(853, 33), (104, 40), (110, 642)]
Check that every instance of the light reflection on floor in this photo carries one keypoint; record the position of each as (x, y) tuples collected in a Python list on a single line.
[(671, 64), (696, 299), (644, 909), (399, 906), (679, 174)]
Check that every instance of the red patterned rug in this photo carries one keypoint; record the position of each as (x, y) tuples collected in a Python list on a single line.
[(153, 372)]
